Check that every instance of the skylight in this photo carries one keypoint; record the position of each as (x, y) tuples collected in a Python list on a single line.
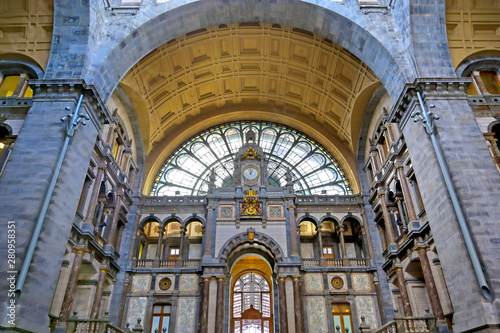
[(187, 170)]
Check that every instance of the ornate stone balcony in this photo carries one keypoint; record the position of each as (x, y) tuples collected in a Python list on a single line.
[(166, 263), (337, 262)]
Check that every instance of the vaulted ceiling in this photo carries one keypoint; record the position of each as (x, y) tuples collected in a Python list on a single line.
[(247, 65), (26, 28)]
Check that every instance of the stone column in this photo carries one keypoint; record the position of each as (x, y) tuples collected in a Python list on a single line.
[(96, 305), (219, 318), (320, 243), (110, 239), (89, 217), (342, 242), (387, 218), (181, 247), (430, 284), (380, 301), (207, 237), (159, 252), (282, 304), (298, 305), (101, 202), (205, 291), (410, 208), (294, 243), (72, 284), (404, 293), (404, 218)]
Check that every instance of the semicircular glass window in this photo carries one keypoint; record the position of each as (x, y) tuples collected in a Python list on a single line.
[(187, 170)]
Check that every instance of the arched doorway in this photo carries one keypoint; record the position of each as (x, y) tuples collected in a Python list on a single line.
[(251, 296)]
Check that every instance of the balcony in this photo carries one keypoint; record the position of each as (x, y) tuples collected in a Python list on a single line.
[(166, 263), (338, 262)]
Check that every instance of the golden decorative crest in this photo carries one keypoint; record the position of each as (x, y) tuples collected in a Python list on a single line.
[(251, 193), (251, 233), (250, 206), (250, 154)]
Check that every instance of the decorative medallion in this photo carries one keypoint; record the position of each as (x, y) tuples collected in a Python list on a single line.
[(165, 283), (250, 154), (275, 212), (226, 212), (337, 282), (250, 206)]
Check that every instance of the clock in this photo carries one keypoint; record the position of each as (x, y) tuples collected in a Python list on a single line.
[(250, 173)]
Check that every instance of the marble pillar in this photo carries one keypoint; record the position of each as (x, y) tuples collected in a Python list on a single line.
[(96, 305), (282, 305), (404, 293), (298, 304), (430, 284), (72, 284), (205, 289), (219, 320)]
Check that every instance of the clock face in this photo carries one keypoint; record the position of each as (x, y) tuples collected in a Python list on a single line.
[(250, 173)]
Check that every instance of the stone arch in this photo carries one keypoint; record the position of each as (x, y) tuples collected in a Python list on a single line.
[(329, 217), (387, 60), (148, 219), (260, 239), (13, 63), (308, 218), (492, 125), (352, 217), (193, 218), (479, 62), (5, 130), (170, 219)]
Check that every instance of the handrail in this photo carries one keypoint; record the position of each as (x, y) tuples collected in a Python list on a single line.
[(76, 325), (406, 325)]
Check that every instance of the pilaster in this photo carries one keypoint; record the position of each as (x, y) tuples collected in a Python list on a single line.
[(474, 179), (42, 147)]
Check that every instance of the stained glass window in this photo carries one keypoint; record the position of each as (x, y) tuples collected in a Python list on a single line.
[(314, 169)]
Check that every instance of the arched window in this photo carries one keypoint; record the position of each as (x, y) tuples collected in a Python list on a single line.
[(314, 169), (251, 305)]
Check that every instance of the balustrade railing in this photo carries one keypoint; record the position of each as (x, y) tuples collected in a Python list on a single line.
[(337, 262), (408, 325), (76, 325), (166, 263)]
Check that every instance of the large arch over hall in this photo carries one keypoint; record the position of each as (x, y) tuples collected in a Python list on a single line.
[(363, 38)]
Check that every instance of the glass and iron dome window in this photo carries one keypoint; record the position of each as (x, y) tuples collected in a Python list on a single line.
[(314, 169)]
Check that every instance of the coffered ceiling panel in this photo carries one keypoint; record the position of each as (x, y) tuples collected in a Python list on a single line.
[(26, 28), (248, 64), (473, 26)]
